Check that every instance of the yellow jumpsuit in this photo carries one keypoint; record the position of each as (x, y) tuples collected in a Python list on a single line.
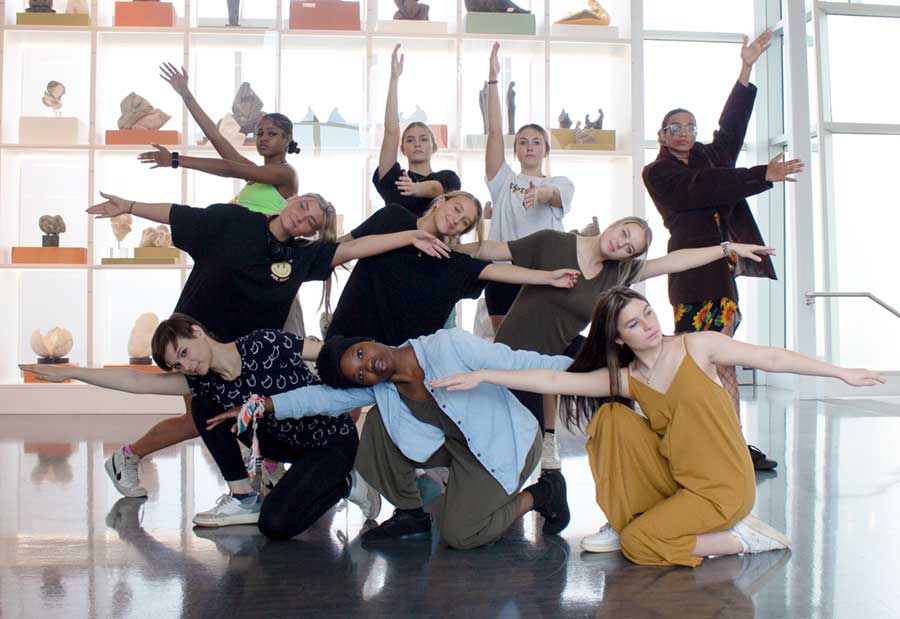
[(683, 471)]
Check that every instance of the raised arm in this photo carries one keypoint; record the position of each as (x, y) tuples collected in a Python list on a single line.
[(374, 244), (686, 259), (120, 379), (750, 53), (279, 174), (590, 384), (115, 206), (178, 80), (391, 141), (511, 274), (486, 250), (493, 154)]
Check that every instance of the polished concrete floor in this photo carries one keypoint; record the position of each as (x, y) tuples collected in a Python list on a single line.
[(71, 547)]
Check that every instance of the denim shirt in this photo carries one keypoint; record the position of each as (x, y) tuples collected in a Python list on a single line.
[(499, 429)]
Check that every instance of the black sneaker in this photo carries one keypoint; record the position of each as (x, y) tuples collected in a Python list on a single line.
[(402, 525), (760, 461), (556, 510)]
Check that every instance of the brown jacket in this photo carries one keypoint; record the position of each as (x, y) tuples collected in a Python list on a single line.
[(690, 196)]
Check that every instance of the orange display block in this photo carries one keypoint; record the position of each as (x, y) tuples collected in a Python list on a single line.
[(49, 255), (152, 369), (31, 378), (145, 14), (142, 136), (324, 15), (440, 134)]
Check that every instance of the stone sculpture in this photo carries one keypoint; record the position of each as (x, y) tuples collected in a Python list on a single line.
[(52, 226), (247, 109), (493, 6), (138, 113), (53, 95), (231, 130), (53, 347), (584, 136), (511, 107), (335, 117), (234, 12), (140, 338), (594, 15), (158, 236), (564, 121), (40, 6), (411, 9), (597, 124), (77, 7), (482, 104), (121, 226), (310, 116)]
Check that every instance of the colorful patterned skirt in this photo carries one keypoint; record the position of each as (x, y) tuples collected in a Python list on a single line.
[(711, 315)]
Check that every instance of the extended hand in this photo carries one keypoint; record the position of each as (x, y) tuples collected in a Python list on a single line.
[(48, 372), (458, 382), (564, 278), (494, 63), (231, 413), (408, 187), (113, 206), (160, 158), (430, 244), (177, 80), (780, 170), (859, 377), (751, 252), (396, 63), (531, 196), (751, 53)]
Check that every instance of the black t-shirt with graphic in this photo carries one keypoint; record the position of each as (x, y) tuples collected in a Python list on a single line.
[(387, 187), (232, 289), (271, 363)]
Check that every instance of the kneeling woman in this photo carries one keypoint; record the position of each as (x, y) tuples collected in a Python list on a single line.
[(489, 441), (264, 362), (676, 484)]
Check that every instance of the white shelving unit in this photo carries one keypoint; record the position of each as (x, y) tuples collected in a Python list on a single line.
[(292, 71)]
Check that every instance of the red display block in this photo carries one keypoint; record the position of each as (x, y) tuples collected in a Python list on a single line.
[(324, 15), (145, 14), (142, 137), (49, 255)]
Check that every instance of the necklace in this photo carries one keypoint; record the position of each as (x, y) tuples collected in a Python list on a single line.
[(648, 377)]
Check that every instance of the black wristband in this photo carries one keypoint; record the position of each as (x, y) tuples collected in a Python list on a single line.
[(174, 158), (490, 82)]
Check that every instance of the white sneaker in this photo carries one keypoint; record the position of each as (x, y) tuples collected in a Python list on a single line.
[(363, 495), (604, 540), (123, 472), (550, 456), (228, 511), (757, 536)]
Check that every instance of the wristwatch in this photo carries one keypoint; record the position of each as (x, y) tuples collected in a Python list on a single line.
[(725, 249), (174, 159)]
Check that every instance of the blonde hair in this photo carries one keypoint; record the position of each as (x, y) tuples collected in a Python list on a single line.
[(627, 270), (477, 225), (413, 125), (327, 233)]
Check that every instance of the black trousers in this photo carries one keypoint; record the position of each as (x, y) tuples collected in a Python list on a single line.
[(317, 479)]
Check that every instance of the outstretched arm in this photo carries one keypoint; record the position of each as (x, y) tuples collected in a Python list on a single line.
[(120, 379), (178, 80), (374, 244), (589, 384), (279, 174), (686, 259), (750, 53), (391, 141), (115, 206), (493, 154), (486, 250), (511, 274)]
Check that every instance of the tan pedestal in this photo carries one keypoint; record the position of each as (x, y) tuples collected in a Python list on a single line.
[(604, 139), (53, 19), (52, 130)]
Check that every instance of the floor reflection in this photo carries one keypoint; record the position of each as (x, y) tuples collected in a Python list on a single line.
[(70, 546)]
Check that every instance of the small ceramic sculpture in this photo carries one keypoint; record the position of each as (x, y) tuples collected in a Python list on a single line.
[(247, 109), (234, 12), (584, 136), (138, 113), (482, 104), (231, 130), (564, 121), (418, 116), (156, 237), (594, 15), (40, 6), (77, 7), (140, 338), (53, 347), (493, 6), (121, 226), (310, 116), (597, 124), (52, 226), (411, 9), (511, 107), (335, 117), (53, 95)]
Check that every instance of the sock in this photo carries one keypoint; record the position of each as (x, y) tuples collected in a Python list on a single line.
[(418, 512), (128, 452), (245, 499), (540, 492)]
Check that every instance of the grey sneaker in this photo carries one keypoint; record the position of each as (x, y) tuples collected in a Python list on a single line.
[(757, 536), (229, 511), (363, 495), (550, 460), (123, 472)]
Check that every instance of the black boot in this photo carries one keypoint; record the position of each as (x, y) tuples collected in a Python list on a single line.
[(404, 524), (760, 461)]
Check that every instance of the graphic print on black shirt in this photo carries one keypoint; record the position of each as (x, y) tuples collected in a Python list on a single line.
[(387, 187)]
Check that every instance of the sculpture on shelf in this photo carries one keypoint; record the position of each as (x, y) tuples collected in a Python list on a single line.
[(584, 136), (564, 121), (140, 338), (53, 95), (482, 104), (231, 130), (158, 236), (418, 116), (121, 227), (597, 124), (247, 109), (594, 15), (511, 107), (52, 226), (40, 6), (138, 113), (310, 116), (493, 6), (77, 7), (336, 118), (234, 12), (411, 9), (53, 347)]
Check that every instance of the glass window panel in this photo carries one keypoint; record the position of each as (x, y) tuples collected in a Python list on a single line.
[(699, 15)]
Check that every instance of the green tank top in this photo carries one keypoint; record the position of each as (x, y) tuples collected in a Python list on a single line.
[(260, 198)]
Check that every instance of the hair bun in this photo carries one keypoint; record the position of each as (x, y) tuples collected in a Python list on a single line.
[(293, 148)]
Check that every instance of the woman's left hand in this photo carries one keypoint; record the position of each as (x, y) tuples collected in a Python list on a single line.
[(564, 278), (161, 157), (859, 377), (750, 52), (408, 187), (430, 244), (231, 413), (458, 382), (751, 252), (531, 196)]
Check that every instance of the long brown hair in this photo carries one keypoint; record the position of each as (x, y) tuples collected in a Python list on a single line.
[(600, 350)]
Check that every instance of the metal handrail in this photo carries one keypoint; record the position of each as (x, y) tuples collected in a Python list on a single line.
[(811, 298)]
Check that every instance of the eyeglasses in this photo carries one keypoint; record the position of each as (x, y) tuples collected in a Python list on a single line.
[(685, 129)]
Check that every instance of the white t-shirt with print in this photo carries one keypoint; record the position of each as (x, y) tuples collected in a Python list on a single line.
[(511, 220)]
